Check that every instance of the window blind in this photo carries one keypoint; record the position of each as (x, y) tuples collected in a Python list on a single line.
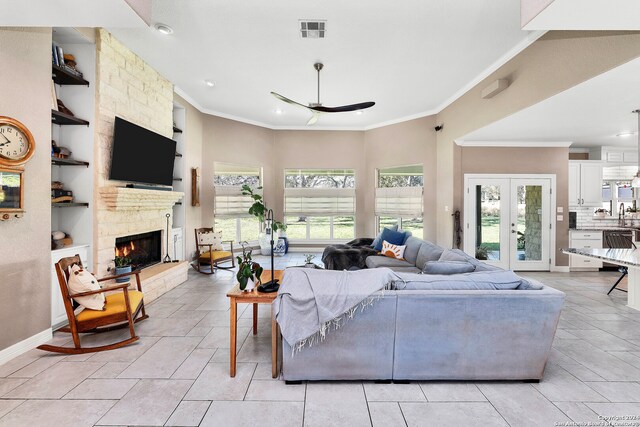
[(319, 201), (229, 201), (399, 201)]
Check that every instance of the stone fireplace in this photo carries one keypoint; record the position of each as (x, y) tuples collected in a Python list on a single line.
[(142, 249)]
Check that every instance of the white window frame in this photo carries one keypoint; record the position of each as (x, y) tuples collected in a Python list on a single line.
[(238, 217), (398, 217), (329, 193)]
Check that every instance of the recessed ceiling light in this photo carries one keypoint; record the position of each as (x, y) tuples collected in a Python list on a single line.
[(209, 82), (623, 134), (359, 112), (164, 29), (278, 111)]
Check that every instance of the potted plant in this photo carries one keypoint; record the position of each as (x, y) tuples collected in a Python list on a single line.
[(123, 265), (248, 271), (308, 261), (601, 213), (482, 253), (259, 210)]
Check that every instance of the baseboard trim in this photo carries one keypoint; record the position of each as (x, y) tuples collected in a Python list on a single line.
[(25, 345), (559, 269)]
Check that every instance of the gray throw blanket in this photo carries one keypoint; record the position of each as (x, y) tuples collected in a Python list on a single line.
[(311, 302)]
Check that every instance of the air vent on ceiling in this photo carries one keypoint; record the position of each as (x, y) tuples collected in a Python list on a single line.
[(312, 29)]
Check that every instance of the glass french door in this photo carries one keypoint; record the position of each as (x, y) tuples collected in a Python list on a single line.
[(508, 222)]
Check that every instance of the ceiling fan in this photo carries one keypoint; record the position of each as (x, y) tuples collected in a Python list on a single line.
[(317, 108)]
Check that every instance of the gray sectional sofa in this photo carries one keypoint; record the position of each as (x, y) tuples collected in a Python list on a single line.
[(460, 327)]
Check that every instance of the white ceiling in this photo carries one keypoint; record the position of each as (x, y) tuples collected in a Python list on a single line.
[(411, 57), (589, 114), (68, 13), (588, 15)]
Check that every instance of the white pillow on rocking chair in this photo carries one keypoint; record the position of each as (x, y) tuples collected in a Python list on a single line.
[(83, 281), (213, 238)]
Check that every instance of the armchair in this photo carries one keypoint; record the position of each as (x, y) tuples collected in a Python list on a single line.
[(208, 258)]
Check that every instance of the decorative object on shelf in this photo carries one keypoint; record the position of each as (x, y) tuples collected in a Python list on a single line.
[(54, 96), (317, 108), (195, 186), (308, 261), (248, 271), (282, 234), (59, 194), (123, 265), (60, 240), (272, 285), (11, 194), (601, 213), (17, 144), (63, 109)]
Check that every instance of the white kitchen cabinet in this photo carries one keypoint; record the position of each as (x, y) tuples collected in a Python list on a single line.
[(585, 184), (58, 313), (585, 240), (622, 155)]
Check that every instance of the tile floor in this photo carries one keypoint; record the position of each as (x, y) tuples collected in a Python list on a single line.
[(178, 373)]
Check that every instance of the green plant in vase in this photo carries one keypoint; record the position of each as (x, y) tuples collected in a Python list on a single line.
[(123, 265), (247, 269), (259, 209)]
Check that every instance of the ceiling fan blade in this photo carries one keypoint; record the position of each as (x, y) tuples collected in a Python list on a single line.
[(287, 100), (343, 108), (314, 118)]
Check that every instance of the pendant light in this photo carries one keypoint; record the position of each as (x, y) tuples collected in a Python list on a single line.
[(636, 179)]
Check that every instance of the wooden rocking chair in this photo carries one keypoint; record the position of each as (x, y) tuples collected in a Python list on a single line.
[(121, 311), (209, 259)]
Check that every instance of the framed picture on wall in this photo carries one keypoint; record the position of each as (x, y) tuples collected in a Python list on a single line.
[(11, 193)]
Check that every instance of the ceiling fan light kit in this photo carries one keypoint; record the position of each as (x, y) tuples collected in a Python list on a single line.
[(317, 108)]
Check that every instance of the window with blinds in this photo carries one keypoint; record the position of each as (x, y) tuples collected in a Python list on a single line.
[(320, 204), (399, 198), (319, 192), (228, 181)]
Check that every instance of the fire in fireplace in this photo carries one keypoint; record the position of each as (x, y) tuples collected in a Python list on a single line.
[(143, 249)]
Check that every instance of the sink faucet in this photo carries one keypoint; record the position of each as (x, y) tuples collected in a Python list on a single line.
[(621, 215)]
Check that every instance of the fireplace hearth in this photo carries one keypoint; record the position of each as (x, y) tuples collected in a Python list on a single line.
[(143, 249)]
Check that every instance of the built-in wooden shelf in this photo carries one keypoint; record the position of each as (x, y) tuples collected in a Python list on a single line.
[(62, 76), (69, 205), (176, 130), (178, 203), (178, 155), (177, 179), (68, 162), (60, 118)]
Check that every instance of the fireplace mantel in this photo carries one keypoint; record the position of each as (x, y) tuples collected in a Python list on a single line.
[(136, 199)]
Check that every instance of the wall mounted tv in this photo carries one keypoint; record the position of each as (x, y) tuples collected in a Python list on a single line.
[(140, 155)]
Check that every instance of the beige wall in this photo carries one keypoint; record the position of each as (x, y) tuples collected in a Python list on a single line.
[(25, 243), (554, 63), (408, 143), (507, 160)]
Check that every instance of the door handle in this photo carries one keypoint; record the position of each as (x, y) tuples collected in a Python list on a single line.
[(583, 201)]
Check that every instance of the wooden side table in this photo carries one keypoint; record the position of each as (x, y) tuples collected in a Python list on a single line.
[(236, 296)]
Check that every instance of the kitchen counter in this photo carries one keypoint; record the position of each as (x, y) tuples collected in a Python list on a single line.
[(605, 229), (629, 258)]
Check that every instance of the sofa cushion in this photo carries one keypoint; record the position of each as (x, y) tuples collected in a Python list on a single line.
[(428, 252), (486, 280), (412, 247), (458, 255), (409, 269), (392, 251), (378, 240), (383, 261), (447, 267), (391, 236)]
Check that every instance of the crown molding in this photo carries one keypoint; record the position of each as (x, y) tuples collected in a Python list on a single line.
[(547, 144)]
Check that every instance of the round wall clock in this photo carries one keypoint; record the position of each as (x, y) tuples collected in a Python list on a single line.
[(16, 142)]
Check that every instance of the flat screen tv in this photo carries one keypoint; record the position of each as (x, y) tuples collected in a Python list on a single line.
[(140, 155)]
